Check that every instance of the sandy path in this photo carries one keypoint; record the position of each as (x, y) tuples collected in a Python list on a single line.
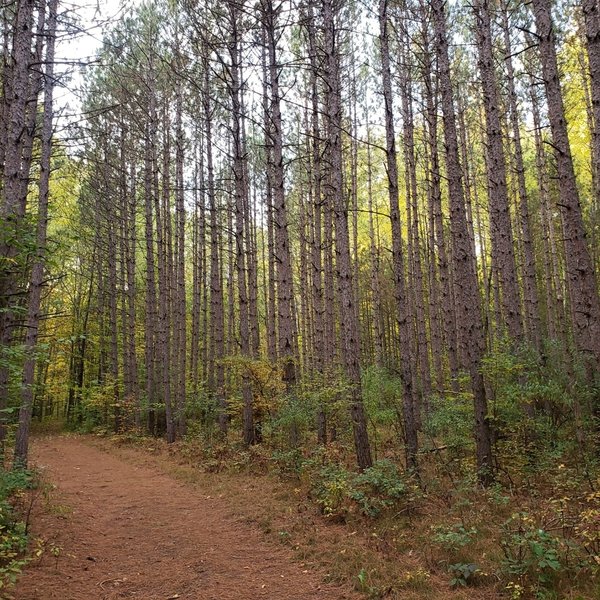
[(133, 532)]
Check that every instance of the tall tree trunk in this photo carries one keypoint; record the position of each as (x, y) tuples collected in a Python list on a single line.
[(151, 313), (471, 342), (350, 333), (319, 352), (180, 328), (498, 206), (113, 319), (217, 321), (591, 19), (404, 336), (163, 348), (240, 192), (37, 273), (421, 342), (375, 281), (31, 118), (12, 205), (585, 305), (552, 279), (446, 295), (280, 212), (530, 291), (198, 268), (131, 240)]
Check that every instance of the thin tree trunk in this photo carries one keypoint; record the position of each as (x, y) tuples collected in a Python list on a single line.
[(530, 291), (447, 301), (151, 313), (180, 327), (319, 352), (404, 336), (421, 341), (240, 191), (591, 18), (374, 262)]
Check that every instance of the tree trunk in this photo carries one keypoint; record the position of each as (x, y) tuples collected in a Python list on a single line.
[(499, 211), (350, 333), (404, 336), (585, 305), (471, 343), (12, 204), (37, 273), (280, 212), (530, 291), (240, 191)]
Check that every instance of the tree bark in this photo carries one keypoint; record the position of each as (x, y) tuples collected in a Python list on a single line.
[(350, 333), (404, 336), (498, 205), (471, 343), (585, 305), (37, 273), (530, 291)]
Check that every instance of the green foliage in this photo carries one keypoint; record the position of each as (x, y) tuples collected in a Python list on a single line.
[(533, 397), (531, 554), (265, 379), (327, 392), (454, 537), (97, 405), (201, 411), (288, 463), (363, 584), (380, 487), (463, 574), (496, 495), (331, 489), (13, 531), (450, 420), (13, 481), (381, 395), (338, 491), (292, 414)]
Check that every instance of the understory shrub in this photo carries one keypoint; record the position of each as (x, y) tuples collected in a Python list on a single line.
[(380, 488), (547, 552), (13, 530)]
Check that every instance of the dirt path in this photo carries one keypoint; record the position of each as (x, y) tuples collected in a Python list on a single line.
[(127, 531)]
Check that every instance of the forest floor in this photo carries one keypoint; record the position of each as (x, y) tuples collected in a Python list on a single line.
[(116, 525)]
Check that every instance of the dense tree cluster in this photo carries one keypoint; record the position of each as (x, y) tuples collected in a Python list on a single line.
[(277, 199)]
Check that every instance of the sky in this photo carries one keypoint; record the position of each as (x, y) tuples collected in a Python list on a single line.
[(81, 28)]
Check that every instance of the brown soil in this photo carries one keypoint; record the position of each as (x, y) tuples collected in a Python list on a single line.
[(113, 529)]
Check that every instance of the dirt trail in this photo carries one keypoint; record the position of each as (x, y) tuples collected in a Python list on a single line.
[(127, 531)]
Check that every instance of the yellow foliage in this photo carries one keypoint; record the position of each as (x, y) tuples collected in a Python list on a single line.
[(265, 379)]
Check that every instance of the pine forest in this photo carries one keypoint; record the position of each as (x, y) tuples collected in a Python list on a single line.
[(325, 272)]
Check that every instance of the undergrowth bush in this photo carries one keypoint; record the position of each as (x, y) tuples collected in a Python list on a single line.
[(382, 487), (13, 530), (454, 537), (543, 553)]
